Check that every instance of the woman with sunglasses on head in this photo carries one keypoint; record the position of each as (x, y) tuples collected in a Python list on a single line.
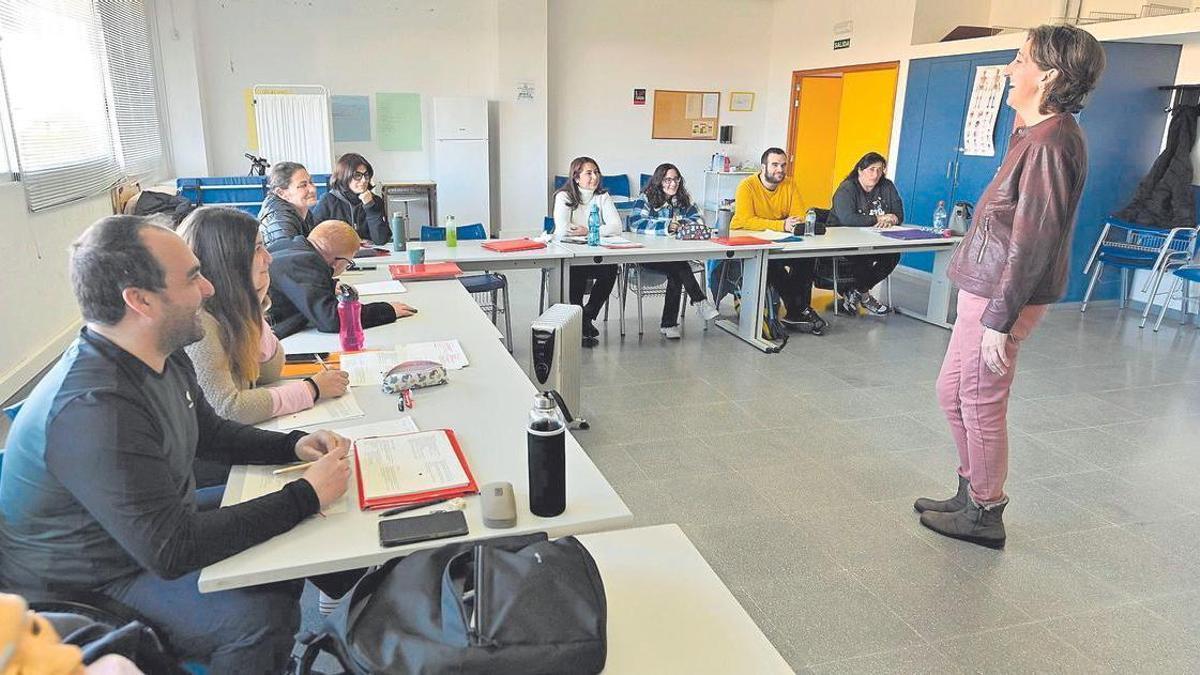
[(239, 353), (662, 208), (351, 200)]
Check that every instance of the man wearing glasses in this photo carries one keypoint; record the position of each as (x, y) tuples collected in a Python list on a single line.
[(302, 282)]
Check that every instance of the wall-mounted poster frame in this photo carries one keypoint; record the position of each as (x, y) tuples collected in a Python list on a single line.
[(741, 101), (686, 115)]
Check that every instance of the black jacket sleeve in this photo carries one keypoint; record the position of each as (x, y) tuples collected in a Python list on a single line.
[(307, 282), (325, 209), (377, 224), (229, 442), (129, 487), (845, 208), (377, 314), (895, 204)]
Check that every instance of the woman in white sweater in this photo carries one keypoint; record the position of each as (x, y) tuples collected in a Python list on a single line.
[(573, 204), (238, 352)]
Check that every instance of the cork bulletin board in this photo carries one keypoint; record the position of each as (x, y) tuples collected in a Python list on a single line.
[(687, 115)]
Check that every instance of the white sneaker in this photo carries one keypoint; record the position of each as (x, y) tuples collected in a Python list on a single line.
[(708, 311), (672, 332)]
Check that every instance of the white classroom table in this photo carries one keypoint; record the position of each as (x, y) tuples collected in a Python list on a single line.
[(487, 404), (841, 241), (668, 612), (665, 249), (472, 257)]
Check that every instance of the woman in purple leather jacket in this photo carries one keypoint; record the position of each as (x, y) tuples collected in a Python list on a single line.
[(1010, 266)]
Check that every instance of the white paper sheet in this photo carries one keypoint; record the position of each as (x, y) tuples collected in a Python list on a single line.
[(259, 481), (368, 368), (380, 287), (711, 102), (692, 106), (400, 425), (325, 411), (449, 353), (400, 465)]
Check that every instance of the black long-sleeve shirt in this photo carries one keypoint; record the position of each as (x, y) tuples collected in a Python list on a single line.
[(368, 219), (97, 482), (302, 292), (854, 207)]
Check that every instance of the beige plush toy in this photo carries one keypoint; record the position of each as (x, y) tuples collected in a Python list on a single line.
[(29, 645)]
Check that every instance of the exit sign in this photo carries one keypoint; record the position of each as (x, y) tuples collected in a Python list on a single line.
[(841, 44)]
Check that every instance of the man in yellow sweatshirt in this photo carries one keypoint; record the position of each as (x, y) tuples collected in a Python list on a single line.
[(770, 201)]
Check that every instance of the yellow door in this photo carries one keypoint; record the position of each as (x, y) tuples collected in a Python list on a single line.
[(865, 120), (817, 121)]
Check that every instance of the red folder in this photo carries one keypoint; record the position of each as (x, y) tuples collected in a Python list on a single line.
[(471, 488), (738, 241), (425, 271), (510, 245)]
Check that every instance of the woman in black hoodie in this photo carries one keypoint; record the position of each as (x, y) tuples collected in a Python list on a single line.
[(866, 198), (350, 199)]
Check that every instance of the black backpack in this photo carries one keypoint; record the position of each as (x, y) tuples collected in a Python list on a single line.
[(519, 604)]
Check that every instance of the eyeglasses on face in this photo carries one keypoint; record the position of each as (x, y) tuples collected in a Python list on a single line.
[(362, 175), (672, 180)]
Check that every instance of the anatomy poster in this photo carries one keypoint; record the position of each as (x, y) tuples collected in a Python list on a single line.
[(982, 111)]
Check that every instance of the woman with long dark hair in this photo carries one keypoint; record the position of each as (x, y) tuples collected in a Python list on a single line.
[(239, 353), (661, 209), (866, 198), (573, 203), (1012, 263), (351, 200)]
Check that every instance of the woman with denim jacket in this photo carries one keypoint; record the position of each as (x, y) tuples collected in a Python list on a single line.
[(660, 210), (1012, 263)]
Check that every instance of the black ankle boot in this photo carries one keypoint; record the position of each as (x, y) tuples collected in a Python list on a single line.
[(974, 523), (955, 503)]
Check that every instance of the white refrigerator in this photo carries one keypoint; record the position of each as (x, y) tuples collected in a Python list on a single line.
[(461, 156)]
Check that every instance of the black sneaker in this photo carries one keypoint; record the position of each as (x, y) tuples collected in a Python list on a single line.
[(873, 306), (849, 302), (589, 329), (806, 321)]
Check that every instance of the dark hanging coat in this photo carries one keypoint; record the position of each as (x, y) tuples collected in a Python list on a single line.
[(1165, 197)]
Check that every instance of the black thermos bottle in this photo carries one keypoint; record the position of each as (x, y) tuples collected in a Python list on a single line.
[(547, 437)]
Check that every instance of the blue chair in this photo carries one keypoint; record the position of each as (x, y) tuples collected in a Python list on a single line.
[(645, 180), (616, 185), (484, 286), (12, 410), (1184, 276), (241, 192), (1129, 247)]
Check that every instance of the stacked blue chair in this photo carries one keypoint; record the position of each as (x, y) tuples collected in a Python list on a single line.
[(1129, 247), (241, 192), (484, 286)]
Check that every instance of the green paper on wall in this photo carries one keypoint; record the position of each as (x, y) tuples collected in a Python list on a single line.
[(398, 121)]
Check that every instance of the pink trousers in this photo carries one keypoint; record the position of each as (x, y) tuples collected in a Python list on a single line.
[(975, 400)]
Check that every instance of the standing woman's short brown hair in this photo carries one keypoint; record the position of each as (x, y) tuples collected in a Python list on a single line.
[(1079, 60)]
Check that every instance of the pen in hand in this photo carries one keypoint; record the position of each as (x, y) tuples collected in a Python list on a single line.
[(321, 361)]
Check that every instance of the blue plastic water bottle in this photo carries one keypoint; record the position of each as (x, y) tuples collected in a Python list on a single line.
[(594, 226), (939, 217)]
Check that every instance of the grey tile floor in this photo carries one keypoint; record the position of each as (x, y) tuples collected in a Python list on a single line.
[(794, 476)]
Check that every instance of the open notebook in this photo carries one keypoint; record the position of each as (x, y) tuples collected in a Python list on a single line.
[(410, 468)]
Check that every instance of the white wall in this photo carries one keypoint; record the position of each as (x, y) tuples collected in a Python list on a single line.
[(601, 51), (37, 308), (179, 80), (435, 48), (523, 151), (933, 19)]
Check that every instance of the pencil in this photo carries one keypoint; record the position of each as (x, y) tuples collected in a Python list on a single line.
[(322, 362), (289, 469)]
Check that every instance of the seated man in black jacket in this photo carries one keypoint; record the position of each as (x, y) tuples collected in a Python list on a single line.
[(302, 285), (97, 491)]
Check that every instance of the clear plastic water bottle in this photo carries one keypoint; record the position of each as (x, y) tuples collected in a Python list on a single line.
[(349, 309), (940, 217), (451, 232), (594, 226), (546, 442), (810, 223), (399, 237)]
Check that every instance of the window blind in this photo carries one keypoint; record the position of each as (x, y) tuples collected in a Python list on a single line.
[(78, 81)]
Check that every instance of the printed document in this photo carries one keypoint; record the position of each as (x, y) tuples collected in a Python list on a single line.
[(393, 466), (449, 353), (368, 368)]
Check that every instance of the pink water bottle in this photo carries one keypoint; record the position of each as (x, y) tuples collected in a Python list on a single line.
[(350, 319)]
